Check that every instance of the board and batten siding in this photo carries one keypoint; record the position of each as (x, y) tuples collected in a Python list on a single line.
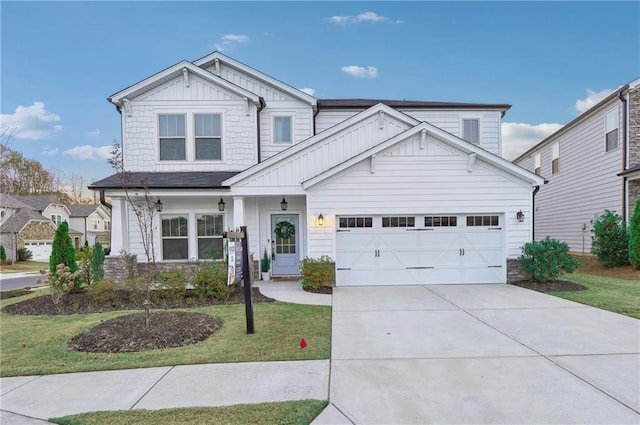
[(585, 186), (301, 120), (250, 83), (407, 182)]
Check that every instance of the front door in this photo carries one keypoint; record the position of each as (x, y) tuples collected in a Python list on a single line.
[(285, 244)]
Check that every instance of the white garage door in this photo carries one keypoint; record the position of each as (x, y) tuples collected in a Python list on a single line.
[(41, 250), (421, 249)]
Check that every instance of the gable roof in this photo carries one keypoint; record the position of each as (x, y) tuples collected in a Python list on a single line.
[(83, 210), (441, 135), (168, 180), (209, 59), (17, 221), (38, 202), (366, 103), (283, 155), (171, 73)]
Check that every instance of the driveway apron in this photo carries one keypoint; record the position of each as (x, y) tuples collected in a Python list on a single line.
[(492, 354)]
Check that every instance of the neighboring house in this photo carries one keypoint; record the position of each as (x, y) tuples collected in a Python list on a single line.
[(95, 223), (591, 164), (396, 192)]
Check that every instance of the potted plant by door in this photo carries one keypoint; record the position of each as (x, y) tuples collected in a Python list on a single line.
[(265, 263)]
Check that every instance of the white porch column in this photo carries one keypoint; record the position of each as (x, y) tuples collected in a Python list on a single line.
[(238, 211), (119, 235)]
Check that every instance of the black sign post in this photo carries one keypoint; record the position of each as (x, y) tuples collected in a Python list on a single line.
[(246, 273)]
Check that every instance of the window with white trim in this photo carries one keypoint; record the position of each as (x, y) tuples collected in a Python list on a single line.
[(208, 137), (471, 130), (555, 158), (209, 234), (107, 225), (172, 137), (282, 129), (611, 130), (175, 237), (56, 218), (537, 164), (95, 222)]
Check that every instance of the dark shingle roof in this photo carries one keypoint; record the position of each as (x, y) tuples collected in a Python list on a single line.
[(17, 221), (38, 202), (172, 180), (82, 210), (366, 103)]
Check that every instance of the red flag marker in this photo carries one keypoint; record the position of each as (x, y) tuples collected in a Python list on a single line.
[(303, 343)]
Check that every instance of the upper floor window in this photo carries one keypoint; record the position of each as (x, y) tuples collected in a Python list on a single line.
[(282, 130), (56, 218), (107, 225), (611, 130), (95, 222), (208, 135), (555, 158), (172, 135), (471, 130), (537, 163)]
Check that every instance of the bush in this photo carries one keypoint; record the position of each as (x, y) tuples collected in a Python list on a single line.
[(104, 291), (64, 281), (317, 272), (3, 254), (24, 254), (611, 240), (211, 281), (546, 260), (97, 261), (62, 251), (265, 263), (85, 253), (634, 237), (173, 283)]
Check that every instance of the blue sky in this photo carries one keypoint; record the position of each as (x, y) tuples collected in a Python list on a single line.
[(550, 60)]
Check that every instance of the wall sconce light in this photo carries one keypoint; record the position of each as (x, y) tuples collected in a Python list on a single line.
[(221, 205), (159, 205), (283, 204), (520, 216), (320, 220)]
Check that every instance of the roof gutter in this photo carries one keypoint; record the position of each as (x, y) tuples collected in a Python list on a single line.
[(103, 200), (261, 106), (624, 149)]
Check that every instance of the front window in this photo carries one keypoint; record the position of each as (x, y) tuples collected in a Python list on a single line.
[(175, 237), (537, 164), (471, 130), (611, 130), (282, 130), (208, 135), (171, 132), (209, 236), (555, 159)]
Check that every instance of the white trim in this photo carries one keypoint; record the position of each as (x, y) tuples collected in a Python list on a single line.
[(283, 114)]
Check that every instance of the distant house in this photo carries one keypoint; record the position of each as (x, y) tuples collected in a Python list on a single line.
[(94, 221), (591, 164)]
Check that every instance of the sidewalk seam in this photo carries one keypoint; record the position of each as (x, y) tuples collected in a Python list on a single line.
[(36, 377), (151, 387)]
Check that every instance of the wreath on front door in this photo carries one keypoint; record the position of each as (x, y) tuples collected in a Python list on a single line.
[(285, 229)]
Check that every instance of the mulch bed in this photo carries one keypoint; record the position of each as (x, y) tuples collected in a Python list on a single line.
[(552, 286), (85, 303), (321, 290), (128, 333), (13, 293)]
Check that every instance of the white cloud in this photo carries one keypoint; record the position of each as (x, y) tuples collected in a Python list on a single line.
[(518, 137), (592, 98), (370, 17), (89, 152), (31, 122), (308, 91), (94, 133), (340, 20), (49, 151), (230, 40), (361, 71)]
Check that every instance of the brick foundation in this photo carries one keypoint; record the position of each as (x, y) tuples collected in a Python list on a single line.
[(514, 272)]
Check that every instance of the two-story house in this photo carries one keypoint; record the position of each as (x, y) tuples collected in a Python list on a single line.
[(591, 164), (396, 192), (94, 220)]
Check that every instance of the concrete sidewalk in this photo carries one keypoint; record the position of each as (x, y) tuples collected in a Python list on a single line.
[(291, 292)]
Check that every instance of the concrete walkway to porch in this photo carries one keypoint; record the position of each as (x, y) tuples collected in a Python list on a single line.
[(291, 291)]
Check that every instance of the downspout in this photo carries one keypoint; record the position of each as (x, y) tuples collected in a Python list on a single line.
[(315, 114), (103, 200), (262, 105), (533, 210), (623, 99)]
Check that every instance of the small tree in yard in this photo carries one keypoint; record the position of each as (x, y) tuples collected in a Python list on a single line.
[(546, 260), (3, 254), (611, 240), (97, 260), (62, 250), (634, 237)]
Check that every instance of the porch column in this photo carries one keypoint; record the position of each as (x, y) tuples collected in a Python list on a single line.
[(118, 226), (238, 211)]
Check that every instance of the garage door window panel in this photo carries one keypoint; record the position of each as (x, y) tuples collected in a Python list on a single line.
[(355, 222), (398, 222), (441, 221), (482, 220)]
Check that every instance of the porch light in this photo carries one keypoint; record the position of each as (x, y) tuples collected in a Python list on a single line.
[(221, 205), (159, 205), (284, 204), (320, 220), (520, 216)]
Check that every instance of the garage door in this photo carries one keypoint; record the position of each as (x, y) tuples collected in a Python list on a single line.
[(421, 249), (41, 250)]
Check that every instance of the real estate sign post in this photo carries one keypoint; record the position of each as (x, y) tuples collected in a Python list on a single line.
[(239, 268)]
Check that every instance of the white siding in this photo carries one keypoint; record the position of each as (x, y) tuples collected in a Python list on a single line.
[(585, 186), (430, 183), (198, 89), (248, 82), (302, 122)]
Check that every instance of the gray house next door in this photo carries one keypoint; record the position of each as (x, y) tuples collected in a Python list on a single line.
[(285, 251)]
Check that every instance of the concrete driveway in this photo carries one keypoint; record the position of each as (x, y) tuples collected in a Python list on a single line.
[(492, 354)]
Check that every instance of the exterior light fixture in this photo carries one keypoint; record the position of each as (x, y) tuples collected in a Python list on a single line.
[(159, 205), (520, 216), (221, 205), (320, 220), (284, 204)]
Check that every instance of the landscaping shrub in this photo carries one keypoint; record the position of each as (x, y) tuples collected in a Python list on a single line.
[(611, 240), (64, 281), (85, 253), (317, 272), (211, 281), (173, 283), (634, 237), (104, 291), (265, 263), (3, 254), (97, 261), (24, 254), (62, 251), (546, 260)]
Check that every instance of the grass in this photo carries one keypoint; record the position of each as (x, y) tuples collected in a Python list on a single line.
[(24, 267), (285, 413), (34, 345)]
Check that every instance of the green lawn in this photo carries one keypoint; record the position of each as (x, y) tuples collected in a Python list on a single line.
[(608, 293), (34, 345), (25, 267), (282, 413)]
